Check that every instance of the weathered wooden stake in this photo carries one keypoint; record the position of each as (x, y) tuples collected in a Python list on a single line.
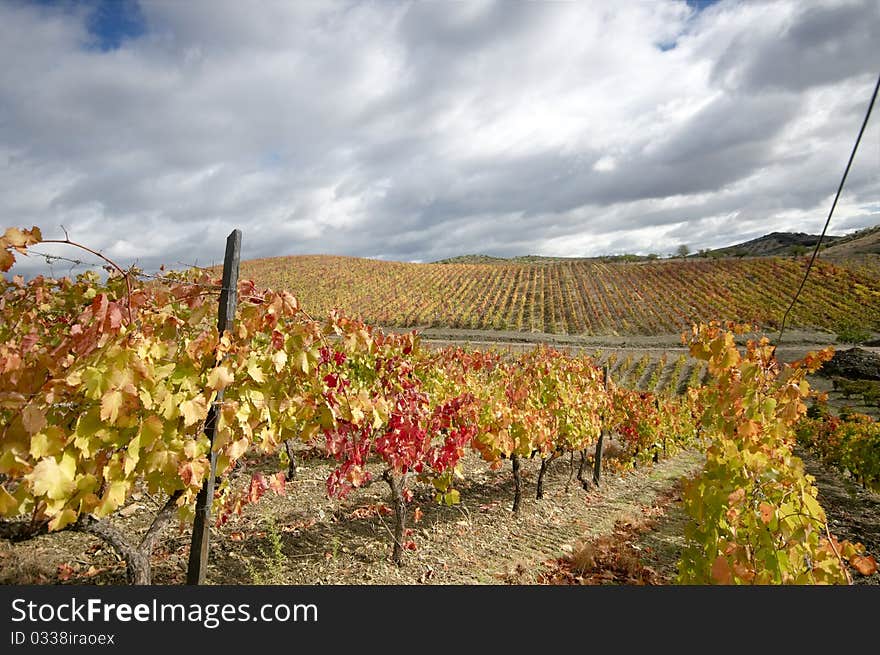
[(198, 551), (597, 460)]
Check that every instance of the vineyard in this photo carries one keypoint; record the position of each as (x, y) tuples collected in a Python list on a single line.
[(581, 296), (109, 388)]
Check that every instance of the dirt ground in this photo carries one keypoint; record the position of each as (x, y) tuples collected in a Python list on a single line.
[(630, 528), (304, 538)]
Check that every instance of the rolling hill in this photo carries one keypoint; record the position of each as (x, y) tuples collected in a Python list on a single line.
[(775, 244), (581, 297)]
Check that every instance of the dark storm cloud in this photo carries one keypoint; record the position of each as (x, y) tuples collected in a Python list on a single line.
[(818, 44)]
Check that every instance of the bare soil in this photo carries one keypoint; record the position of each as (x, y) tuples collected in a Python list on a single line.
[(304, 538), (630, 529)]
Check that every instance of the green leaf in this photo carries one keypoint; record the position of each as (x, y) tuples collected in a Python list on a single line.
[(48, 443), (94, 382), (151, 429), (813, 507)]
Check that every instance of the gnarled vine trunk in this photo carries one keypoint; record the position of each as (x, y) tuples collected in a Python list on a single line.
[(397, 483)]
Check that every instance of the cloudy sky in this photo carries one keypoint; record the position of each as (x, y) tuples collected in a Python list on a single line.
[(418, 131)]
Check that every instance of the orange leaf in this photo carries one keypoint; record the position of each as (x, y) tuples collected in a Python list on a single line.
[(767, 512), (7, 259), (864, 565), (736, 497), (743, 572), (65, 571), (721, 571)]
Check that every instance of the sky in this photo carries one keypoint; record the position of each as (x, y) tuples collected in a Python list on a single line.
[(416, 131)]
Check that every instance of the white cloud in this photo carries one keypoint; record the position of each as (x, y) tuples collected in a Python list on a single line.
[(419, 131)]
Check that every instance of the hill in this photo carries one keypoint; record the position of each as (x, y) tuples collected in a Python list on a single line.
[(581, 297), (863, 242), (774, 244), (543, 259)]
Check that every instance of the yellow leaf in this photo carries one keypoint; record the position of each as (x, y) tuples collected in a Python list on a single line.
[(237, 449), (13, 237), (255, 372), (40, 446), (51, 479), (813, 506), (62, 520), (220, 378), (111, 402), (86, 483), (279, 359), (168, 408), (146, 398), (8, 504), (163, 463), (194, 410), (132, 455), (113, 498)]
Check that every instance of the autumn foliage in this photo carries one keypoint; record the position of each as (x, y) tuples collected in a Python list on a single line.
[(755, 516), (106, 386)]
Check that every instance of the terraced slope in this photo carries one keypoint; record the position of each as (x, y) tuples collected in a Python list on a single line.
[(579, 297)]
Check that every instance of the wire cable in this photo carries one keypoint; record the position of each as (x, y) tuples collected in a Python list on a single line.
[(833, 205)]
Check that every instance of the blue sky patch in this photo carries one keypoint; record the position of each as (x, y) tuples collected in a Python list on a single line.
[(699, 5), (109, 22)]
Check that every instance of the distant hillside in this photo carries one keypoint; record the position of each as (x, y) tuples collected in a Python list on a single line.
[(780, 244), (543, 259), (863, 242), (473, 259), (775, 244)]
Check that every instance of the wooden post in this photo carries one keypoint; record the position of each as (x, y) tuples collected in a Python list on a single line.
[(517, 483), (597, 460), (198, 551)]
